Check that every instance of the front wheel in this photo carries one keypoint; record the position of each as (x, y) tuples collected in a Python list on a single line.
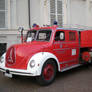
[(48, 73)]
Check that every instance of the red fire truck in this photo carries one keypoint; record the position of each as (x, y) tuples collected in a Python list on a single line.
[(53, 49)]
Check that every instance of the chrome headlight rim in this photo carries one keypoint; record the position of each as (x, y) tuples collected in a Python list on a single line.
[(32, 63)]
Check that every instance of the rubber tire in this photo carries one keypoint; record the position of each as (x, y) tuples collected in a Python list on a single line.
[(41, 80)]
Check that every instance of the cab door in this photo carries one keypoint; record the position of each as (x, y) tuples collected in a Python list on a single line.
[(60, 45), (66, 48)]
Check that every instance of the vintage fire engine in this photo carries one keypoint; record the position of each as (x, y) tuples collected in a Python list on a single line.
[(52, 49)]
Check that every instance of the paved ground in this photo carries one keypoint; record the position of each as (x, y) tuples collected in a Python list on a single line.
[(75, 80)]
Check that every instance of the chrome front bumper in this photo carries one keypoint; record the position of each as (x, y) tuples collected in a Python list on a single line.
[(16, 72)]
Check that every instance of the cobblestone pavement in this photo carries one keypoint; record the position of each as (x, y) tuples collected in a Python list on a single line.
[(75, 80)]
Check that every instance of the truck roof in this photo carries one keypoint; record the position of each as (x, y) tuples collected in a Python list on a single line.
[(56, 27), (61, 28)]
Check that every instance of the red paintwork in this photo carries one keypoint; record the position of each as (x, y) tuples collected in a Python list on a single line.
[(61, 49), (86, 38), (11, 58), (35, 28), (64, 53), (86, 56), (24, 52)]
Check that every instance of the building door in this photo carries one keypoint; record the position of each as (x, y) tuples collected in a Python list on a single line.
[(2, 48)]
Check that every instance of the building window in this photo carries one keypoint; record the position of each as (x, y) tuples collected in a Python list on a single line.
[(3, 13), (56, 11)]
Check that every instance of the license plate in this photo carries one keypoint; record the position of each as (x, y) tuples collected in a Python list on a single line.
[(8, 75)]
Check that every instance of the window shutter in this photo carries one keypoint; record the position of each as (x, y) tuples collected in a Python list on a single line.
[(56, 11), (52, 6), (59, 12), (52, 11)]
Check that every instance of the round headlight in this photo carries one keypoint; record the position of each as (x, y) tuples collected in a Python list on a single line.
[(32, 64)]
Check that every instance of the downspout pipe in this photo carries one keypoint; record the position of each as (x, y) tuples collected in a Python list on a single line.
[(29, 14)]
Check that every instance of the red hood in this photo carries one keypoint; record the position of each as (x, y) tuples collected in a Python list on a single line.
[(23, 52)]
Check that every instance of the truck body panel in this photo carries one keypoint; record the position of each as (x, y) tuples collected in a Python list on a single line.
[(86, 38)]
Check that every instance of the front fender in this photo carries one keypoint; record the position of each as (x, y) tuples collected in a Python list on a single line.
[(40, 58)]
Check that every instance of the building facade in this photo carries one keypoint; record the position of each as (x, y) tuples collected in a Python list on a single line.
[(16, 13)]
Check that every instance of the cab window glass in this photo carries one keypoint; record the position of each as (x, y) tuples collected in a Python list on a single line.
[(44, 35), (60, 36), (31, 35), (72, 36)]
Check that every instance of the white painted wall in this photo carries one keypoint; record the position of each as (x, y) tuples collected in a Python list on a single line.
[(22, 13), (12, 14), (76, 12), (40, 12), (18, 14), (35, 12), (89, 13)]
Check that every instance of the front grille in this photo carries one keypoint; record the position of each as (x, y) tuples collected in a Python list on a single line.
[(10, 56)]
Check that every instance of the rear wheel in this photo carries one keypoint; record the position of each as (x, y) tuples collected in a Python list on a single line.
[(86, 57), (48, 73)]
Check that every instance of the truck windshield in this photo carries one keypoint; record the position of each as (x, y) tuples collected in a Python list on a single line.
[(30, 35), (43, 35)]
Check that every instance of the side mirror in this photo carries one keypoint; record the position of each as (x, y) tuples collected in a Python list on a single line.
[(20, 29)]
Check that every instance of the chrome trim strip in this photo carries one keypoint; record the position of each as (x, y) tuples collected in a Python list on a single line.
[(68, 61), (74, 66), (65, 42), (65, 48), (62, 49)]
